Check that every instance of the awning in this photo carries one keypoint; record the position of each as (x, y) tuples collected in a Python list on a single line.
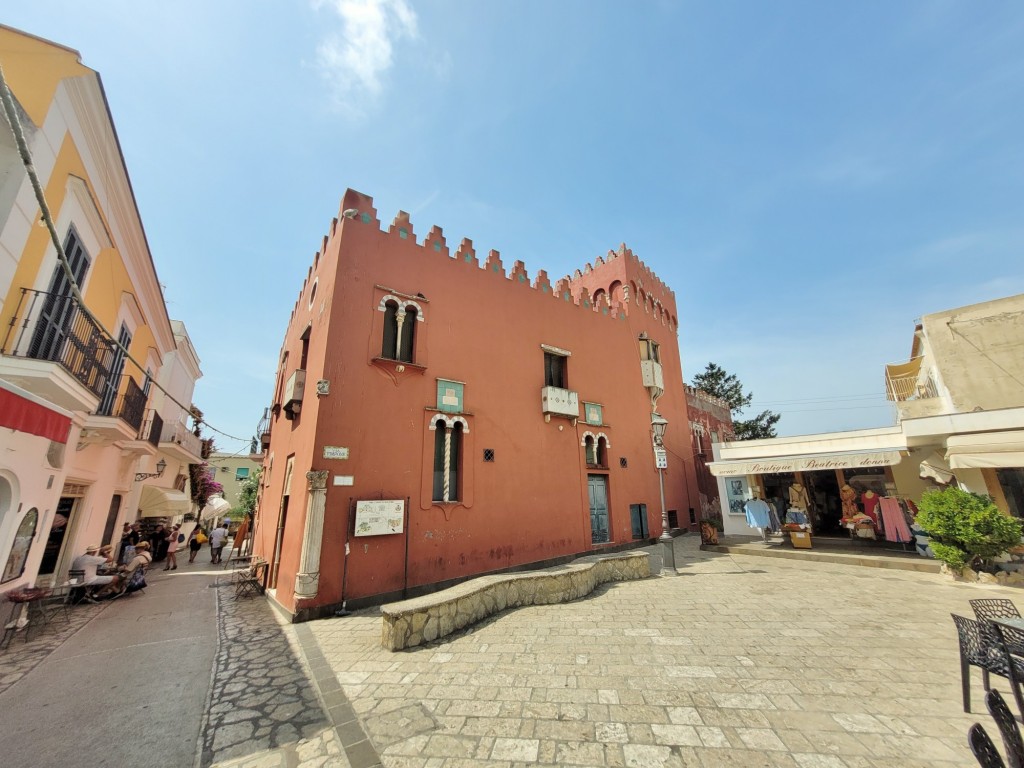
[(986, 450), (807, 463), (937, 468), (162, 502), (214, 507), (901, 379), (22, 412)]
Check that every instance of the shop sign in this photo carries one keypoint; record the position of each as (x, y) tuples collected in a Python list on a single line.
[(379, 518), (805, 463)]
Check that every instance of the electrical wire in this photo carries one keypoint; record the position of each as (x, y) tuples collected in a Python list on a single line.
[(26, 158)]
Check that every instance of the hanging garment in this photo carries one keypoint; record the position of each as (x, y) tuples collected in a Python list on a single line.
[(797, 516), (758, 514), (870, 501), (798, 498), (896, 528), (773, 513), (849, 498)]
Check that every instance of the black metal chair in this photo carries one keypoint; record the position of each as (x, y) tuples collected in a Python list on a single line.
[(1000, 608), (1013, 743), (982, 646), (984, 750), (250, 581)]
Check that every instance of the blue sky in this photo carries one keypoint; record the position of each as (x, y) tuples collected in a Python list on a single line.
[(810, 177)]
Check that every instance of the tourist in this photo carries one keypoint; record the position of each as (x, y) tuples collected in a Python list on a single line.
[(89, 563), (217, 540), (119, 582), (172, 549), (158, 543), (195, 542)]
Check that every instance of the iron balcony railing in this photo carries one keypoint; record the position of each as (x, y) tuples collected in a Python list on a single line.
[(48, 326), (152, 429), (129, 405)]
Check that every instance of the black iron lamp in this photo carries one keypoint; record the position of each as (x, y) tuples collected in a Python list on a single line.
[(160, 467)]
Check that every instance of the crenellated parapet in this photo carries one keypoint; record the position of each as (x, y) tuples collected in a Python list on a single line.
[(637, 287)]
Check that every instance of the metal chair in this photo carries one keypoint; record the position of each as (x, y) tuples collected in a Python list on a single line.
[(982, 646), (1013, 743), (984, 750), (250, 581), (1000, 608)]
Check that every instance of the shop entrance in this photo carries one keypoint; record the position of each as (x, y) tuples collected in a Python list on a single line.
[(823, 488), (58, 530)]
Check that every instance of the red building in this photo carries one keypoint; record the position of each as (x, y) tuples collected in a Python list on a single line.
[(710, 422), (437, 417)]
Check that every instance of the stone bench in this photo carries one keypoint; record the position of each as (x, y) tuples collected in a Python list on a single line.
[(422, 619)]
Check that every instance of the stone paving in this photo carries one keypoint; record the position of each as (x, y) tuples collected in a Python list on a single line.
[(738, 661), (263, 709)]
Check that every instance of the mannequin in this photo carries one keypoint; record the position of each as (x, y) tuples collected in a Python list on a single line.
[(848, 494), (870, 501), (798, 498)]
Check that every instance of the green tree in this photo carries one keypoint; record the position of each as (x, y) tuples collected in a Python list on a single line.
[(718, 382), (966, 528), (247, 496)]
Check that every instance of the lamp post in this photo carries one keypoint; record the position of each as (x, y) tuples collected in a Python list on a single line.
[(668, 556)]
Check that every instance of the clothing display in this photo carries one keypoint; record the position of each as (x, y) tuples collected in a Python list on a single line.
[(798, 498), (797, 516), (869, 500), (848, 495), (893, 521), (758, 514)]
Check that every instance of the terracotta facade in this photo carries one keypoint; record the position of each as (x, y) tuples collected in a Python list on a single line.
[(425, 368)]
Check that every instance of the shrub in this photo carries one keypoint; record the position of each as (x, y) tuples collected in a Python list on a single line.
[(966, 528)]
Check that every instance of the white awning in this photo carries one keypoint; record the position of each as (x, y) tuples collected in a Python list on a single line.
[(162, 502), (214, 507), (986, 450), (807, 463), (937, 468)]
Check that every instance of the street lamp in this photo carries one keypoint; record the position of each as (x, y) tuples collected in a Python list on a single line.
[(160, 467), (658, 426)]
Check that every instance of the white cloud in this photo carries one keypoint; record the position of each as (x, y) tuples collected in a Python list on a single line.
[(355, 58)]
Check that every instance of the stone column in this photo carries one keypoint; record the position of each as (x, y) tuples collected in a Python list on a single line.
[(307, 580)]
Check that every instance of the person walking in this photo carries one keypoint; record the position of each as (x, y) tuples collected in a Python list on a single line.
[(217, 539), (172, 549), (195, 543)]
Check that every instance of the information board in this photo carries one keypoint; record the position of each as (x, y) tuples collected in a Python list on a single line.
[(379, 518)]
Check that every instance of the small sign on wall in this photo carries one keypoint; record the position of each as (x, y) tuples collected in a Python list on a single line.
[(334, 452), (344, 480), (379, 518)]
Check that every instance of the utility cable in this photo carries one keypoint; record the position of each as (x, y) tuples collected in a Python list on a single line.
[(26, 158)]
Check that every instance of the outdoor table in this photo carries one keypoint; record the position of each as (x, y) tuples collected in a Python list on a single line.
[(1011, 622)]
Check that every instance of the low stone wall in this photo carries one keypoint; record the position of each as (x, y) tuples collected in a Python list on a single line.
[(422, 619)]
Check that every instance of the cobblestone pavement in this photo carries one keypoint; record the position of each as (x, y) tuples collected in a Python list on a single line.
[(739, 661)]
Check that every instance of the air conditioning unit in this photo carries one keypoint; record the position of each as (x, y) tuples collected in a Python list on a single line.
[(560, 402), (293, 393), (651, 373)]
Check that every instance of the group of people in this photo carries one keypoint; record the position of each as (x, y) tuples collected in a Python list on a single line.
[(137, 551)]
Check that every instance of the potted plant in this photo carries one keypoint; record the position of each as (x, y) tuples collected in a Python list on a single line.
[(966, 529)]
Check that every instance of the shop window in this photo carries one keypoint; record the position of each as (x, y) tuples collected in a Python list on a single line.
[(22, 543), (447, 459), (555, 373)]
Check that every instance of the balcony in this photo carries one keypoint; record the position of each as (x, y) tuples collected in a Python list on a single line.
[(179, 443), (119, 415), (52, 349), (293, 390), (559, 402), (914, 393), (148, 440)]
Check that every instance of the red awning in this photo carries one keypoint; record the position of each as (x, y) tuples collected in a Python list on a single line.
[(24, 415)]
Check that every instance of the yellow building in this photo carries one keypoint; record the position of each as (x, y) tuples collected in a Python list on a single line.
[(114, 442)]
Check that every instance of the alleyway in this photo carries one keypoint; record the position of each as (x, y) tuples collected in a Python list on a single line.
[(740, 661)]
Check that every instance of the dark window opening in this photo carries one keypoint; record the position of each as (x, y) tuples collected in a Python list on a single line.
[(305, 347), (555, 371), (673, 518), (447, 452), (622, 462), (388, 349), (638, 520), (488, 454)]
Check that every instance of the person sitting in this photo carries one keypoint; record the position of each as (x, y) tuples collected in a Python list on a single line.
[(141, 560), (89, 563)]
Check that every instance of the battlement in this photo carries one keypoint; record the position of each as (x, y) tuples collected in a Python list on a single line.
[(642, 289)]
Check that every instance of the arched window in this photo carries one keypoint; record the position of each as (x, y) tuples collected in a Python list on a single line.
[(399, 338), (408, 335), (447, 460), (590, 449), (388, 347), (602, 452)]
